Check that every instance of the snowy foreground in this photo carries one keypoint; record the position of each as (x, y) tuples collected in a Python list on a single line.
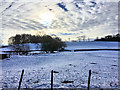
[(72, 66)]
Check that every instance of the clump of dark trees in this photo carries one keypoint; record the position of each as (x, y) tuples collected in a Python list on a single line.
[(109, 38), (49, 44)]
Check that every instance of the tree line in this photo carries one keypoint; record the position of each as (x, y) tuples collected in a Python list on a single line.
[(109, 38), (48, 43), (25, 38)]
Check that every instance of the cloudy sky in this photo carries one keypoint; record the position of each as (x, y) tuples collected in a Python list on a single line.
[(64, 18)]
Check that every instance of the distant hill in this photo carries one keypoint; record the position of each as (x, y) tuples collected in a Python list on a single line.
[(109, 38)]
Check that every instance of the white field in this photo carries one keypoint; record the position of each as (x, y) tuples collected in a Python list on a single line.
[(72, 66)]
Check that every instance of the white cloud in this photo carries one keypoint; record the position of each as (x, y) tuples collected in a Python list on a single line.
[(91, 18)]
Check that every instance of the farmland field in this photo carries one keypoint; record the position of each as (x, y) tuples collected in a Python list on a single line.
[(72, 66)]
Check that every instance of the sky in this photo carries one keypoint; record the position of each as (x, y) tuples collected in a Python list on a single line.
[(67, 19)]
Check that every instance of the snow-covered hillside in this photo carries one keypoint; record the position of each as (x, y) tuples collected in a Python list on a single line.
[(92, 45), (73, 66), (75, 45)]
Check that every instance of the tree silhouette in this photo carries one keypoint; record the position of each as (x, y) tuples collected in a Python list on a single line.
[(109, 38), (48, 43)]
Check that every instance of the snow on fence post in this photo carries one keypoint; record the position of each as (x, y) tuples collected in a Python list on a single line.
[(89, 79), (21, 79)]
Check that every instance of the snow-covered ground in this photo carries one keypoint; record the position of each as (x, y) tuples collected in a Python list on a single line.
[(92, 45), (72, 66)]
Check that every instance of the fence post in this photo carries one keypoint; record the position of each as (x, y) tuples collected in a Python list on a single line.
[(52, 80), (21, 79), (89, 79)]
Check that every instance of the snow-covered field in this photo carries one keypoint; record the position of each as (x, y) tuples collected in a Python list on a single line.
[(92, 45), (72, 66)]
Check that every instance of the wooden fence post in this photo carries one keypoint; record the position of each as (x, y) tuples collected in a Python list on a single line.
[(52, 80), (21, 79), (89, 79)]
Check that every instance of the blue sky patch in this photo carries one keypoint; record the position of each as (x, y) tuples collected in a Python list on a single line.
[(62, 6)]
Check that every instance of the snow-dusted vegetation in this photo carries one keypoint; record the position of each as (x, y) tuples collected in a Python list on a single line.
[(72, 66)]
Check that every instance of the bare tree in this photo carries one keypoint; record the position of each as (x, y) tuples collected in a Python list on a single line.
[(83, 37), (79, 38)]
